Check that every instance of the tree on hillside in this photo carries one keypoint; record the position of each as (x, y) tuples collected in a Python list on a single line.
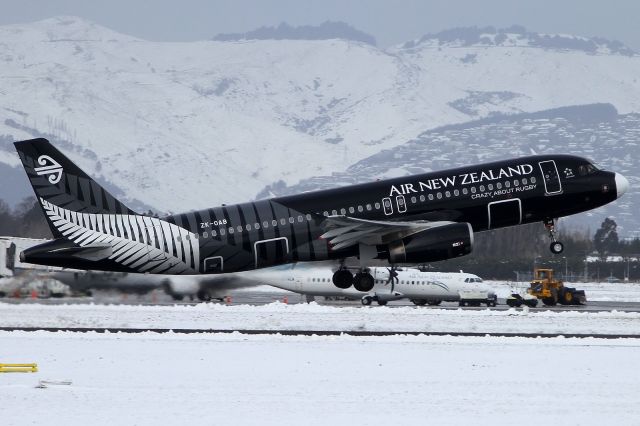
[(606, 238)]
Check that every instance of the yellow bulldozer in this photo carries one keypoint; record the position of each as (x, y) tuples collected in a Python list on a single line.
[(552, 291)]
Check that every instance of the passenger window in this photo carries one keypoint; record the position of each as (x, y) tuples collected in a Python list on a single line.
[(499, 185), (465, 191), (274, 222), (447, 194), (524, 181), (231, 230), (205, 235), (213, 233), (481, 188), (309, 217), (343, 211), (326, 213), (300, 218), (352, 210), (439, 195), (507, 184), (256, 226), (414, 200), (533, 179), (360, 209), (248, 227), (456, 192), (283, 221), (516, 182), (239, 228), (422, 198), (377, 205), (222, 231), (334, 212), (368, 207), (430, 197), (265, 224), (178, 239), (473, 189), (291, 220), (490, 186)]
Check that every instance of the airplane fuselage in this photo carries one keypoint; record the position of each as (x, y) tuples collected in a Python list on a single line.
[(489, 196)]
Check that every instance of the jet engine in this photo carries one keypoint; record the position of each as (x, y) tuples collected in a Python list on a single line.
[(439, 243)]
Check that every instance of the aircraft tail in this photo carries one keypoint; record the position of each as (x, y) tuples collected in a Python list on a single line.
[(57, 181)]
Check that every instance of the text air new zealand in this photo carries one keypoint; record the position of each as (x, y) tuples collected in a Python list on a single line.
[(407, 220)]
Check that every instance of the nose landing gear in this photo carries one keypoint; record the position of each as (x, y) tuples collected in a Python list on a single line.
[(556, 246)]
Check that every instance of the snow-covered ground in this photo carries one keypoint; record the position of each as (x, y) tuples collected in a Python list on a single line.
[(150, 379), (279, 316)]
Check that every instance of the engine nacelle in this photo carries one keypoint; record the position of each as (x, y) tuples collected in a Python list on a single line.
[(432, 245)]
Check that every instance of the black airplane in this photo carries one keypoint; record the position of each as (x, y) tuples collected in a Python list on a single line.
[(407, 220)]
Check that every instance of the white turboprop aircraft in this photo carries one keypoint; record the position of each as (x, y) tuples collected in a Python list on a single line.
[(390, 284)]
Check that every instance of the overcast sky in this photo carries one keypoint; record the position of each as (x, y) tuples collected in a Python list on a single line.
[(390, 22)]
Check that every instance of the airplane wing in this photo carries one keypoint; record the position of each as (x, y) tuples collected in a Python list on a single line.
[(345, 231)]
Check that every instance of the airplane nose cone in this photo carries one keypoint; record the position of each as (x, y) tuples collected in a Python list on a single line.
[(622, 184)]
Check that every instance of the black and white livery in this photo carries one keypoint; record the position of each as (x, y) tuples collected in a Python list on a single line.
[(407, 220)]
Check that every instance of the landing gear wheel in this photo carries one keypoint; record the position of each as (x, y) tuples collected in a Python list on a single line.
[(419, 302), (366, 300), (342, 278), (204, 296), (363, 281), (556, 247), (434, 302), (382, 302)]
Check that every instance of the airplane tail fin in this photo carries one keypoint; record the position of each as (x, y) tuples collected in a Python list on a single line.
[(56, 180)]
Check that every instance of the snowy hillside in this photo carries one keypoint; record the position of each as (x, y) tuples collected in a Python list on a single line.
[(189, 125)]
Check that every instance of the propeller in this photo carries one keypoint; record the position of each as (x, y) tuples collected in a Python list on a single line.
[(393, 277)]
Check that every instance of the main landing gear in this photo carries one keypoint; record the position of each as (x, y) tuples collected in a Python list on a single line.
[(362, 281), (556, 246)]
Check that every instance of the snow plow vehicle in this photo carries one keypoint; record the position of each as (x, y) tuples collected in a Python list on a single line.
[(516, 300), (552, 291)]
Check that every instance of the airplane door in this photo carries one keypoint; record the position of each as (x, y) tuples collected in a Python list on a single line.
[(387, 206), (401, 203), (505, 213), (271, 252), (552, 184)]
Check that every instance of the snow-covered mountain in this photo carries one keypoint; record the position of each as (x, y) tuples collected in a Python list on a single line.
[(190, 125)]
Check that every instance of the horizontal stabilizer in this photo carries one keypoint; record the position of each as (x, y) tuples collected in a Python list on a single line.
[(93, 253)]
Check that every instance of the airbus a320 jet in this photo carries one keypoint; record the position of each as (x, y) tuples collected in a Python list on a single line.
[(407, 220)]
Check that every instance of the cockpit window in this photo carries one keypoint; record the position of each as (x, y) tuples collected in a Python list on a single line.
[(587, 169)]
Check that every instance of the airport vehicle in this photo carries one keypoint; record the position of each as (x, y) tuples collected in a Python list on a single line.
[(401, 221), (515, 300), (477, 298), (551, 291), (422, 288)]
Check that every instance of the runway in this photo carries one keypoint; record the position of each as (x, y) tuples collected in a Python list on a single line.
[(264, 297)]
